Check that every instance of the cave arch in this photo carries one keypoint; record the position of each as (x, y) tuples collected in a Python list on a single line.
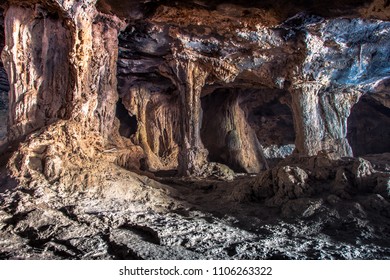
[(369, 127), (149, 96), (272, 119), (247, 129)]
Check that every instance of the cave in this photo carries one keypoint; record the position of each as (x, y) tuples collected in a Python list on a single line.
[(220, 128), (128, 124), (195, 129), (250, 130), (369, 127)]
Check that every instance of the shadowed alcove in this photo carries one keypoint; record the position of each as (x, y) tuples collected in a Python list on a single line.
[(128, 124), (369, 127), (247, 129)]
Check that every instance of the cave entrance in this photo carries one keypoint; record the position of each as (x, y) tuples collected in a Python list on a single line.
[(128, 124), (369, 127), (4, 85), (247, 129)]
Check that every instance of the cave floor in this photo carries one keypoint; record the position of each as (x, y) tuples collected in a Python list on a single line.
[(134, 217)]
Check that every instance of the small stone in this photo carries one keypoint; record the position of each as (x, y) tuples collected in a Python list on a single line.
[(362, 171), (333, 199), (35, 163)]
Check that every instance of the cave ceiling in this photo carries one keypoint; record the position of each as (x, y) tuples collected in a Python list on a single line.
[(282, 9)]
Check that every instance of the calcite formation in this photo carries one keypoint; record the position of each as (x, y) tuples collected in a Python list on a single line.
[(173, 65), (286, 91)]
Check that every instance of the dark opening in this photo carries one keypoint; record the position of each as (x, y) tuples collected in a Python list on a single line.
[(4, 88), (369, 127), (273, 123), (242, 123), (128, 124), (219, 128)]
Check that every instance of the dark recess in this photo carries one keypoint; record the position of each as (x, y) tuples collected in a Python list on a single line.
[(273, 123), (369, 127), (128, 124), (263, 110)]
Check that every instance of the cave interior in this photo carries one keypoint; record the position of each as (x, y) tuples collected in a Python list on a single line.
[(220, 129), (247, 126)]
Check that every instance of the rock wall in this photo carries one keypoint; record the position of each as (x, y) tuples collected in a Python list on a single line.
[(227, 132), (345, 59), (195, 79), (36, 57), (4, 85), (61, 60)]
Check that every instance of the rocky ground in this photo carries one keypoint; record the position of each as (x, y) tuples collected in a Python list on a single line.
[(313, 208)]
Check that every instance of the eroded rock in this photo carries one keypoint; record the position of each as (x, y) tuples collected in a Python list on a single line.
[(250, 112)]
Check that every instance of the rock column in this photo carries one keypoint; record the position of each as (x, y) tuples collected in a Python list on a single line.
[(191, 79), (321, 119)]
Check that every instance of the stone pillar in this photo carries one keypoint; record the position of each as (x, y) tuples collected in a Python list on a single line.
[(320, 119), (137, 103), (61, 62), (104, 74), (191, 78)]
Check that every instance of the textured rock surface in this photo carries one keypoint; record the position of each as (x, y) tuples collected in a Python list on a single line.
[(4, 85), (267, 68), (37, 50), (132, 217), (240, 119)]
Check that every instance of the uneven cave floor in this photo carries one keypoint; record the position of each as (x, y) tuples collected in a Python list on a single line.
[(129, 216)]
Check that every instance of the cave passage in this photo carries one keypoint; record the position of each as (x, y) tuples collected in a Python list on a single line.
[(247, 129), (220, 127), (273, 123), (128, 124), (369, 127)]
